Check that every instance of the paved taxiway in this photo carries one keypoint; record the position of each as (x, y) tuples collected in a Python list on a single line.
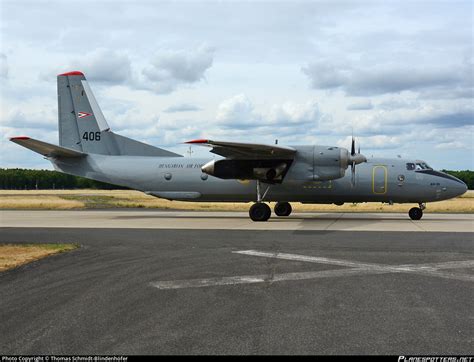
[(144, 219), (139, 291)]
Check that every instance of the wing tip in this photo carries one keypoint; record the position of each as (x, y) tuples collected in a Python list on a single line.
[(74, 72), (197, 141), (18, 138)]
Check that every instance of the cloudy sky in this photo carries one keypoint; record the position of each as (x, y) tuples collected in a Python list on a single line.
[(399, 74)]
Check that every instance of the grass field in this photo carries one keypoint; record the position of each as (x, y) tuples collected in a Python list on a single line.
[(102, 199), (13, 255)]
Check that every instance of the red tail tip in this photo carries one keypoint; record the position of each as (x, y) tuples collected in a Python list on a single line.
[(76, 72)]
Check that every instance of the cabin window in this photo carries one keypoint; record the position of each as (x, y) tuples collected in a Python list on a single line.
[(204, 177), (168, 176), (410, 166)]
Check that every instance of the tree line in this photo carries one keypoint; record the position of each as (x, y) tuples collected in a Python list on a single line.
[(25, 179)]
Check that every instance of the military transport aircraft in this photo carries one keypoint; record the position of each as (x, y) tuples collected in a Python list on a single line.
[(246, 172)]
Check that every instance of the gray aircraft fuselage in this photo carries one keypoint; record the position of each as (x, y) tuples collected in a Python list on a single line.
[(180, 178)]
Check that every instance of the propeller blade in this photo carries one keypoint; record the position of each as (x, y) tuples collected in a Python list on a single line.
[(355, 159), (353, 174)]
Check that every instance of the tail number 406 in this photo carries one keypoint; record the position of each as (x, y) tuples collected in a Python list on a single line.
[(91, 136)]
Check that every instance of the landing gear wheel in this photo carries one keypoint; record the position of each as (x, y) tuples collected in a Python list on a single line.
[(260, 212), (415, 213), (283, 209)]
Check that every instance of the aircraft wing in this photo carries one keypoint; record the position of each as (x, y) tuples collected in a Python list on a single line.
[(240, 150)]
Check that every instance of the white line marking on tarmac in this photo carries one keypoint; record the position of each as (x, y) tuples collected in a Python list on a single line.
[(421, 269), (309, 259), (250, 279), (350, 268)]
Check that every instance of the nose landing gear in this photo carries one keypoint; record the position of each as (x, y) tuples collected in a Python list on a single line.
[(416, 213)]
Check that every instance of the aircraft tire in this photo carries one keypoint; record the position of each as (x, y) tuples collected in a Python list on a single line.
[(260, 212), (283, 209), (415, 213)]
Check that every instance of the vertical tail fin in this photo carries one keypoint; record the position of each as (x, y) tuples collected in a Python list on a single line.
[(81, 121), (82, 126)]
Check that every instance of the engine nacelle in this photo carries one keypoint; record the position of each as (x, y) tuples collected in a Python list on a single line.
[(329, 163), (264, 170), (323, 163)]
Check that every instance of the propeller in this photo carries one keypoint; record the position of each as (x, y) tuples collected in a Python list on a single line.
[(355, 159)]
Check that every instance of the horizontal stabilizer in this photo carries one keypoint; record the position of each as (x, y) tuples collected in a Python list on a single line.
[(46, 149)]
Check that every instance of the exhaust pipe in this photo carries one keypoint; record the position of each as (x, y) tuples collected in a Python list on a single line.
[(269, 173)]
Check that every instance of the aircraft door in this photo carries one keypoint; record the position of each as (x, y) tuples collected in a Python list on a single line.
[(379, 179)]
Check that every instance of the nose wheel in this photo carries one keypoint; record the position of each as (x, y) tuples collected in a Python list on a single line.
[(283, 209), (415, 213)]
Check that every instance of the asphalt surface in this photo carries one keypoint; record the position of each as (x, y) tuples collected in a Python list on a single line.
[(231, 220), (105, 298)]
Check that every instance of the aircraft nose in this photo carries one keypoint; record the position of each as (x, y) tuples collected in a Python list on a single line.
[(461, 188), (457, 187), (451, 186)]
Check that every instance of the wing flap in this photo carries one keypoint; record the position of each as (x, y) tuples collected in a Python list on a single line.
[(243, 150), (46, 149)]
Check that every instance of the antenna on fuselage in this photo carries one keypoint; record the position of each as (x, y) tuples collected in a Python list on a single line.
[(190, 151)]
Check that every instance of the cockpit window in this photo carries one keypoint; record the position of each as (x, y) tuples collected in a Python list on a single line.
[(422, 166), (410, 166)]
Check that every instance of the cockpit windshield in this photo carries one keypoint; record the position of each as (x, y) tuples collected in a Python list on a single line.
[(422, 166), (419, 165)]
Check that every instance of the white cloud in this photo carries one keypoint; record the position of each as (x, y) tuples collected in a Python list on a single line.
[(239, 112), (371, 142), (183, 107), (236, 112), (171, 68), (35, 113), (450, 145), (360, 106), (290, 113), (386, 78), (3, 66), (396, 103), (103, 65)]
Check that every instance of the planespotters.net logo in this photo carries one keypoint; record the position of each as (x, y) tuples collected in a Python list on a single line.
[(435, 359)]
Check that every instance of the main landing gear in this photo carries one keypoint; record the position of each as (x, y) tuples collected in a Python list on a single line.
[(262, 212), (416, 213), (282, 209)]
